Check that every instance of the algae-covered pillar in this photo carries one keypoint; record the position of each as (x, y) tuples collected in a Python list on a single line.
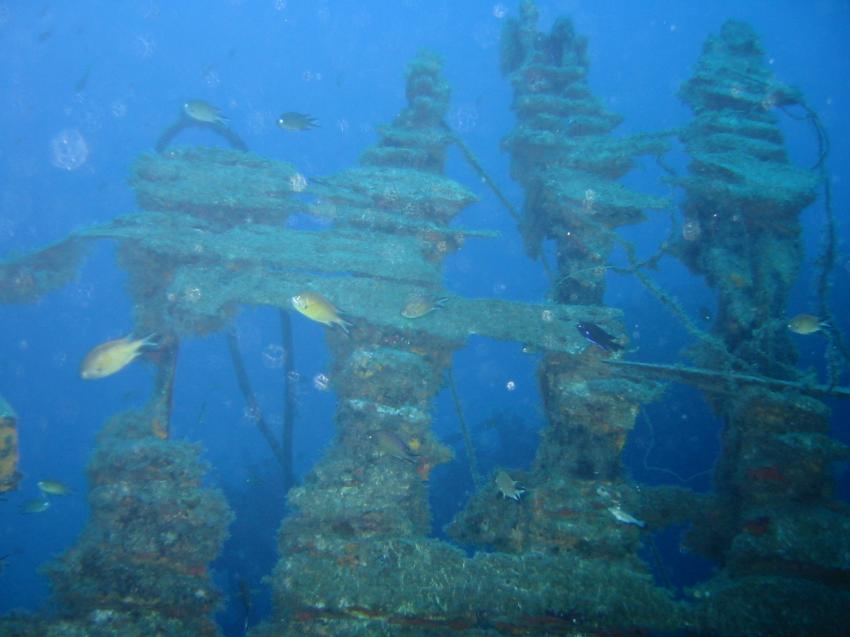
[(197, 192), (578, 502), (781, 537), (9, 474), (567, 161), (369, 493), (743, 198), (565, 157), (141, 563)]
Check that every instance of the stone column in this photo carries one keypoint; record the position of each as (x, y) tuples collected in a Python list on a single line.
[(774, 526), (141, 563)]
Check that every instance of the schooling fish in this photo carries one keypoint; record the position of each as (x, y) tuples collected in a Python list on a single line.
[(598, 336), (506, 486), (296, 122), (391, 445), (52, 487), (626, 518), (316, 307), (203, 112), (418, 305), (113, 356), (35, 506), (806, 324)]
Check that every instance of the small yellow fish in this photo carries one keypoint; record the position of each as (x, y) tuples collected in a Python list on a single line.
[(35, 506), (201, 111), (113, 356), (296, 122), (317, 308), (418, 305), (52, 487), (806, 324)]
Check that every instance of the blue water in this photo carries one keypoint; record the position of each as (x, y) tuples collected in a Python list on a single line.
[(118, 72)]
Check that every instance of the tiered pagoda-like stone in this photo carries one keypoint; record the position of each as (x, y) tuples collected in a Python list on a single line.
[(775, 525), (140, 566), (564, 155)]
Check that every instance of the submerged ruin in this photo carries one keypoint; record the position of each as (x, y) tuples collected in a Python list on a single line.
[(556, 549)]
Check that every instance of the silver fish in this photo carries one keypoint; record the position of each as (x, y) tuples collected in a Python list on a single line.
[(626, 518)]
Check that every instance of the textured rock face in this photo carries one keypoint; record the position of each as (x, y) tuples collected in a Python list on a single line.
[(9, 475), (743, 196), (743, 199), (559, 555), (565, 157), (141, 562)]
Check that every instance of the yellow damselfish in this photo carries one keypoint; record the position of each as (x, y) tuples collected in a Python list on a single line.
[(806, 324), (317, 308), (113, 356), (201, 111), (52, 487)]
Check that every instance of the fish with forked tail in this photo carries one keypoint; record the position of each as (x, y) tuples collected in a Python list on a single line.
[(598, 336), (203, 112), (317, 308), (113, 356), (805, 324), (296, 122)]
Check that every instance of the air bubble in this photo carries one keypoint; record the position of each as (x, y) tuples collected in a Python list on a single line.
[(321, 382), (298, 182), (70, 150), (691, 231), (252, 414), (274, 356), (118, 108), (144, 46)]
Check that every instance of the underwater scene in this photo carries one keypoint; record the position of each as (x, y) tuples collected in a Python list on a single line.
[(424, 318)]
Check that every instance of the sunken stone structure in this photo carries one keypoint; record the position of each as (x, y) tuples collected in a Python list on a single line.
[(576, 486), (141, 563), (564, 155), (9, 454), (553, 550), (363, 512), (774, 525)]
